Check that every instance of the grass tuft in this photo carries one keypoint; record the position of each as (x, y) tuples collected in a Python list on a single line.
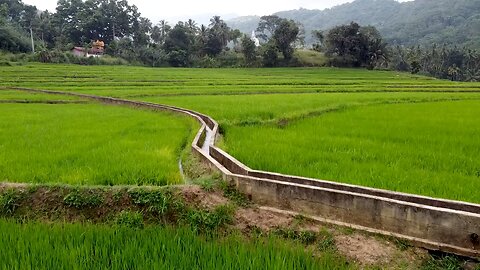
[(83, 198), (129, 219), (9, 201)]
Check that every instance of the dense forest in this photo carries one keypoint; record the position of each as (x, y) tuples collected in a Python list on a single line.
[(420, 22)]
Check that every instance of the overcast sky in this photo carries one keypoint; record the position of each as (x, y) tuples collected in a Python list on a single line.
[(200, 10)]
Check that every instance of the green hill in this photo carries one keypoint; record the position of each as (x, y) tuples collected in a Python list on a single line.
[(421, 22)]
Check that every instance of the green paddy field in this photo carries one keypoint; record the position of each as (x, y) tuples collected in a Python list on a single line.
[(380, 129)]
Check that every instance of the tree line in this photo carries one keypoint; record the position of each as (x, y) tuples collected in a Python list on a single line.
[(352, 45), (137, 40), (130, 36)]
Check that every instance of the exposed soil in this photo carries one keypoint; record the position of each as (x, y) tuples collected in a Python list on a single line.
[(250, 218), (195, 195), (369, 250), (364, 249)]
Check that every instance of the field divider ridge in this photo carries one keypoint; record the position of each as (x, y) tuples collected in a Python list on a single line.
[(445, 225)]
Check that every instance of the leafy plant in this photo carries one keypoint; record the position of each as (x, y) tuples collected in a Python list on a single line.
[(162, 202), (204, 221), (9, 201), (304, 237), (442, 262), (233, 194), (326, 241), (83, 199), (207, 184), (130, 219)]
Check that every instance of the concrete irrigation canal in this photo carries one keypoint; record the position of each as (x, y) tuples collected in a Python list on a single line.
[(435, 224)]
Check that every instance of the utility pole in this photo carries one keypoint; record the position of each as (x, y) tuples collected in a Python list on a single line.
[(31, 37)]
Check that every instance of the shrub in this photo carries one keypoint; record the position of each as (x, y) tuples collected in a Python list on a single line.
[(233, 194), (204, 221), (82, 199), (161, 202), (9, 201), (128, 219)]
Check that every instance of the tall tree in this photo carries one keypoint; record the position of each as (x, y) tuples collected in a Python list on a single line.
[(178, 46), (267, 27), (192, 25), (352, 45), (160, 31), (286, 33), (68, 21), (220, 29), (218, 36), (248, 49), (142, 30)]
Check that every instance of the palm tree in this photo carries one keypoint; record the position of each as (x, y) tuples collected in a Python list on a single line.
[(220, 28), (160, 31), (192, 25)]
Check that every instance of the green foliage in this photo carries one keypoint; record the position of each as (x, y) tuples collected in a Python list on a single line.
[(284, 36), (203, 221), (208, 184), (445, 63), (129, 219), (354, 46), (302, 121), (326, 241), (162, 202), (59, 57), (400, 23), (234, 195), (13, 39), (270, 55), (402, 244), (217, 37), (9, 201), (304, 237), (442, 262), (267, 27), (178, 45), (118, 195), (83, 198), (310, 58), (249, 50)]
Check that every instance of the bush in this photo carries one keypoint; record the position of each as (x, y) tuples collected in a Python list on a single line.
[(270, 56), (162, 202), (83, 199), (59, 57), (9, 201), (203, 221), (128, 219)]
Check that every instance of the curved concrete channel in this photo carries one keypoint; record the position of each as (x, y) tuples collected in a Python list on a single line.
[(436, 224)]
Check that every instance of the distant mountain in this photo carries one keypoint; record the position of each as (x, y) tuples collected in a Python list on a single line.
[(424, 22)]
